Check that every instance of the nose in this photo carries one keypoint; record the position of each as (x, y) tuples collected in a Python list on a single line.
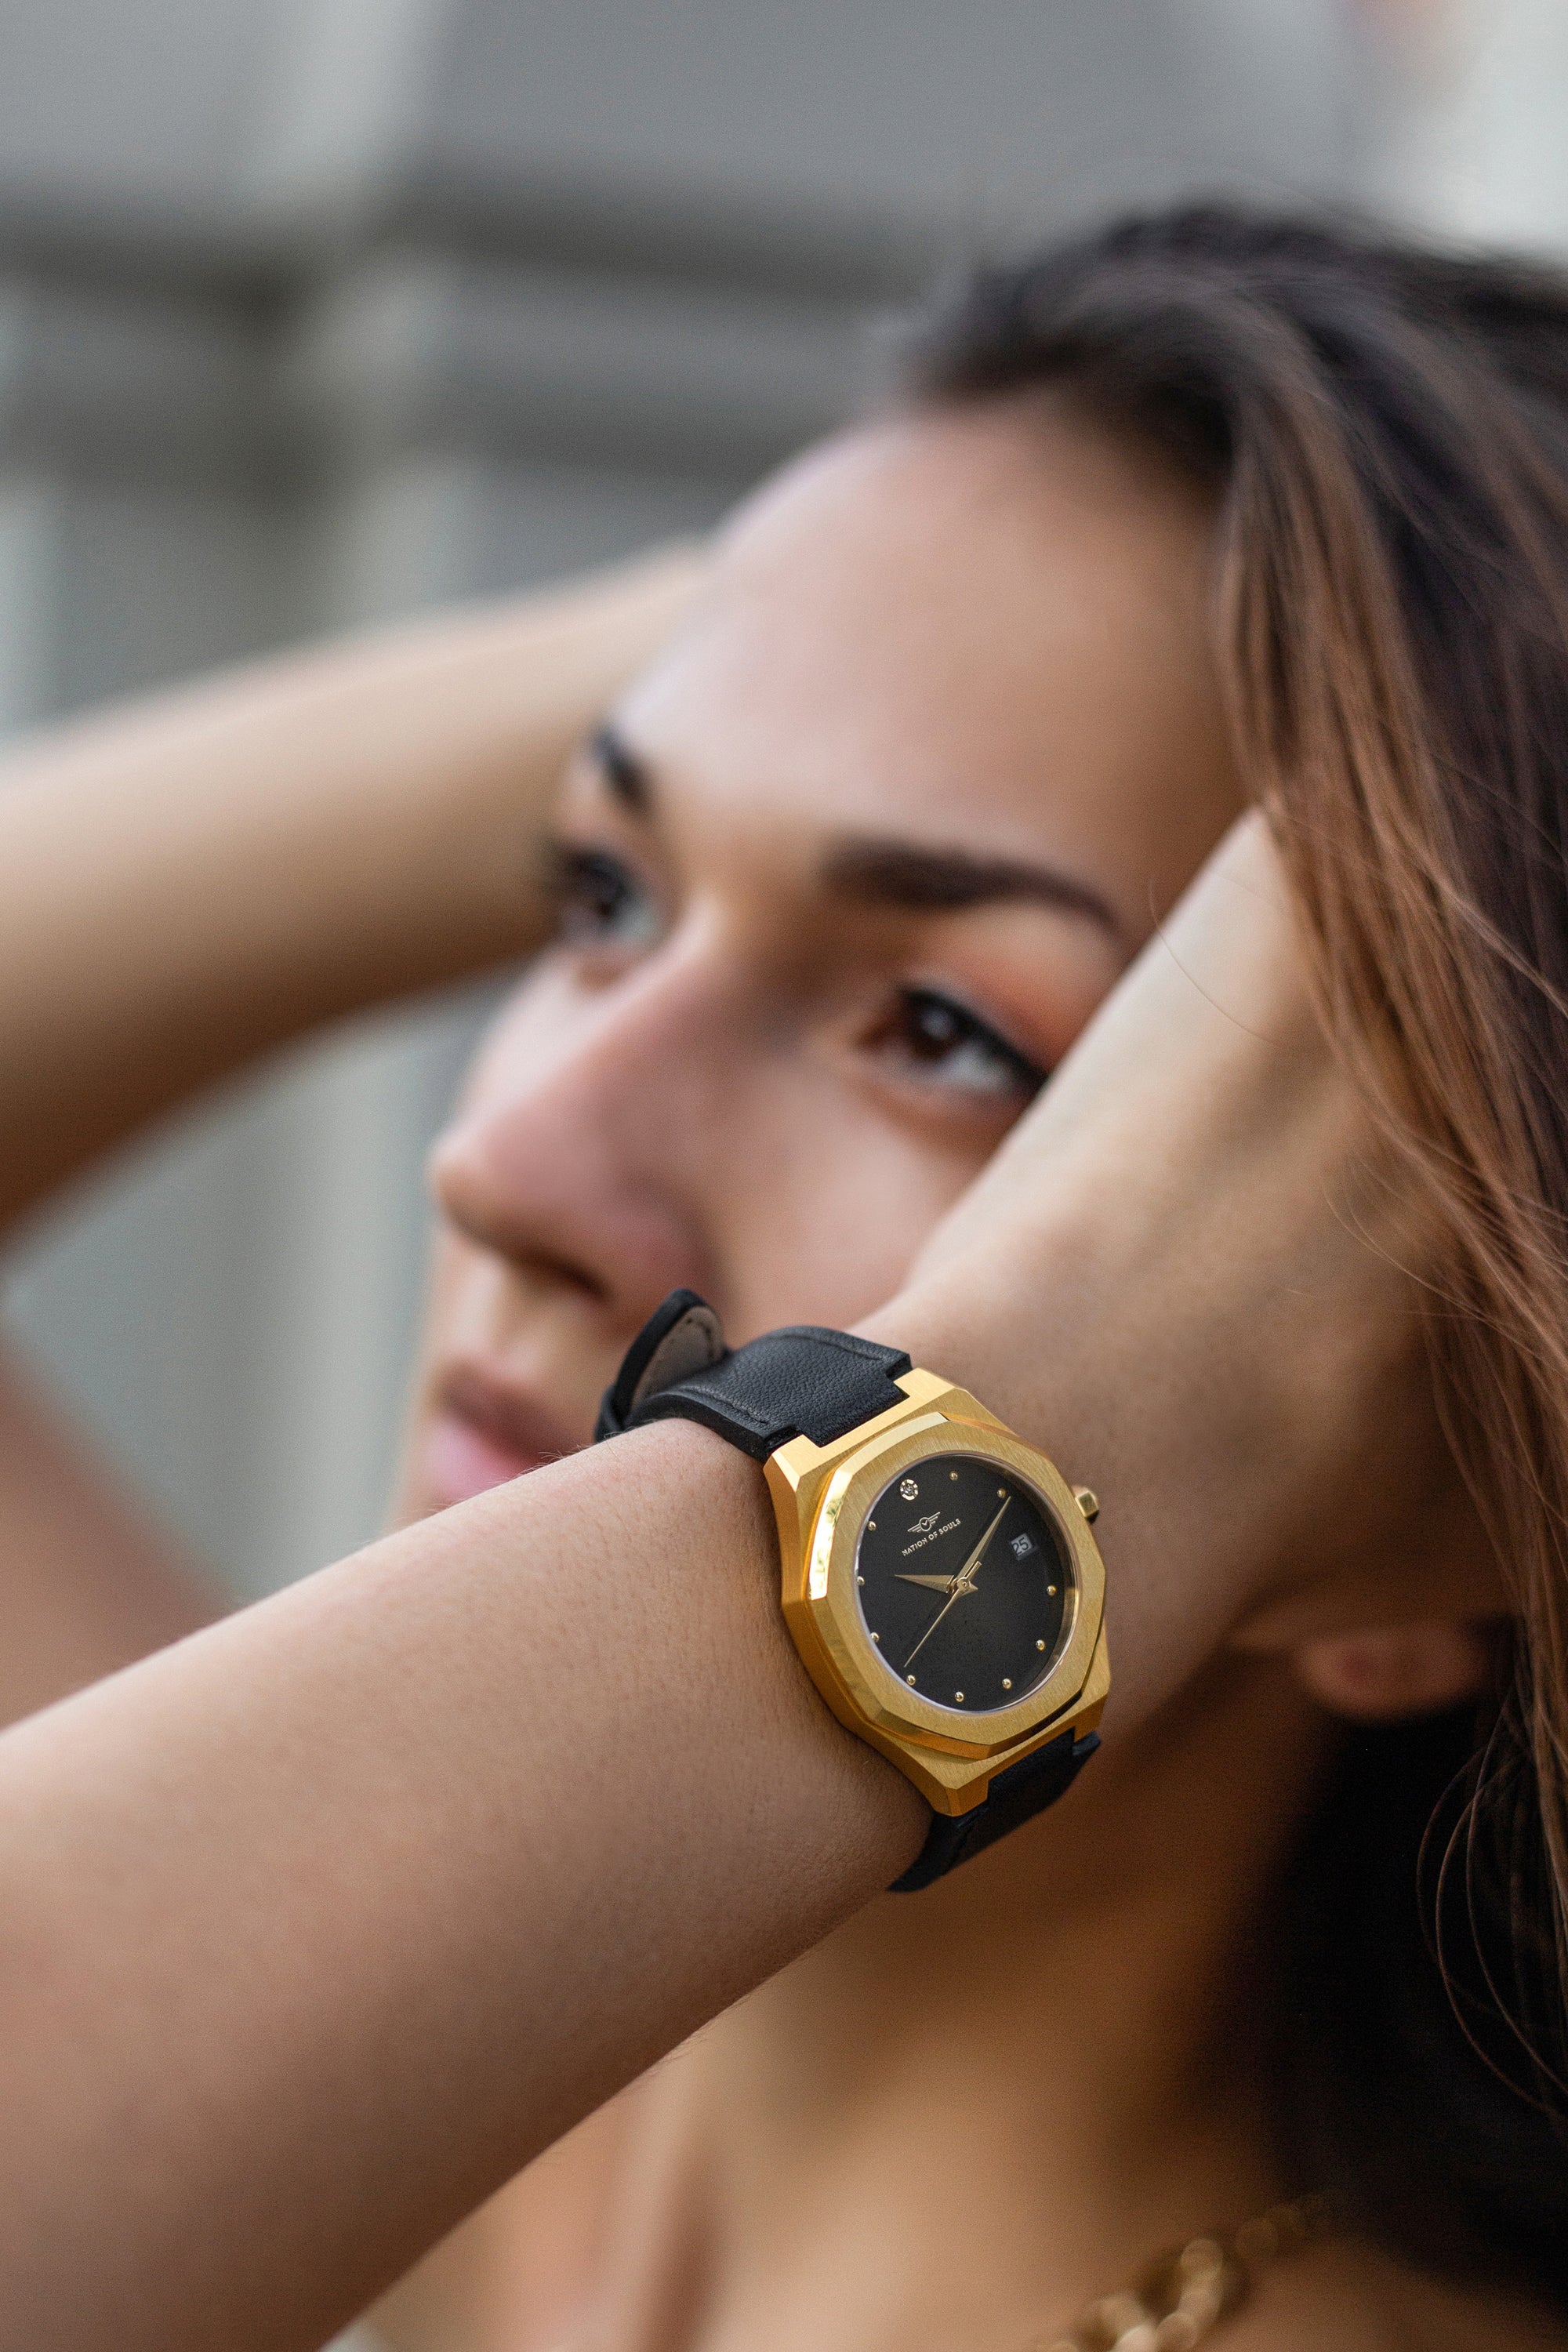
[(582, 1153)]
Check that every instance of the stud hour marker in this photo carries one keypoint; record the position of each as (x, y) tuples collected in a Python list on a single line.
[(871, 1524), (1040, 1645), (1001, 1490), (877, 1638), (953, 1475), (859, 1580), (1051, 1589), (1006, 1684), (911, 1680), (958, 1694)]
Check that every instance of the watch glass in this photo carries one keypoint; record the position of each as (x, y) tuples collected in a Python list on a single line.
[(963, 1582)]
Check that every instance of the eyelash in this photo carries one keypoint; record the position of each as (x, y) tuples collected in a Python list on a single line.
[(935, 1033), (601, 903)]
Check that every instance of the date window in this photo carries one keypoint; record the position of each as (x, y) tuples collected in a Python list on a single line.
[(1023, 1546), (909, 1491)]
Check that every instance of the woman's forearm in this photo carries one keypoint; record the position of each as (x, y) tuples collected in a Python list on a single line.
[(187, 885), (321, 1924)]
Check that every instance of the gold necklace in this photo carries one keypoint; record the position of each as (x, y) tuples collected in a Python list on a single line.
[(1179, 2297)]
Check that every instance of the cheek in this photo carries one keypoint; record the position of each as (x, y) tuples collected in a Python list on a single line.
[(807, 1195), (459, 1296), (826, 1206)]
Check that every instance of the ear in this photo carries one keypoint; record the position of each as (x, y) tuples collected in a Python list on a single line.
[(1388, 1672)]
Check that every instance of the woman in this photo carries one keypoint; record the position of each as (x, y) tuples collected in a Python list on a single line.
[(822, 877), (936, 751)]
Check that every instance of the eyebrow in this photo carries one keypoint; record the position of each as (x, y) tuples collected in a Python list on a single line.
[(900, 874), (889, 872)]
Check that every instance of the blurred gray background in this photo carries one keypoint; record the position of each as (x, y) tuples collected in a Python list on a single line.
[(313, 311)]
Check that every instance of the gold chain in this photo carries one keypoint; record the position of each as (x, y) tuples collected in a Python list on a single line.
[(1179, 2297)]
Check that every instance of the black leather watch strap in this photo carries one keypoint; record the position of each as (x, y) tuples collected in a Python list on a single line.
[(802, 1381), (806, 1380), (1016, 1796)]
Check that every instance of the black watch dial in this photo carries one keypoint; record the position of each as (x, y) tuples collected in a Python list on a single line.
[(962, 1581)]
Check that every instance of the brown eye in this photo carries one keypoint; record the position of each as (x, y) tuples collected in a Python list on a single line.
[(944, 1041), (601, 902)]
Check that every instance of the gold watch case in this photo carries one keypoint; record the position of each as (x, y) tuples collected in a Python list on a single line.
[(821, 1496)]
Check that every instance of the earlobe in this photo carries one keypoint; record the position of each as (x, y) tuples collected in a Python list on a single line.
[(1385, 1673)]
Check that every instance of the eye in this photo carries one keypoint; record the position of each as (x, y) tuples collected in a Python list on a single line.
[(942, 1042), (601, 902)]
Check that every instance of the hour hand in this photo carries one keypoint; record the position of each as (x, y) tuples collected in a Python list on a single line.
[(933, 1583)]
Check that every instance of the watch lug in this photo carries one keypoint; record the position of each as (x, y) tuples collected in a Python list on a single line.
[(802, 1460), (933, 1393), (950, 1784), (954, 1785)]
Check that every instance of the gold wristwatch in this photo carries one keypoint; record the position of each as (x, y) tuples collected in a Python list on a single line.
[(940, 1579)]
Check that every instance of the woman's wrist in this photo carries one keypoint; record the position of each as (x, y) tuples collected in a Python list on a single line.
[(1227, 1351)]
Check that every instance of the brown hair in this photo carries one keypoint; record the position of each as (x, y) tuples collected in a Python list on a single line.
[(1386, 432)]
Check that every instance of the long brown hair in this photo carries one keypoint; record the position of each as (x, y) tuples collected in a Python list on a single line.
[(1385, 430)]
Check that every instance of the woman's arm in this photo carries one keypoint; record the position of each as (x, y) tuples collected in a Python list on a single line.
[(317, 1926), (187, 885), (89, 1581)]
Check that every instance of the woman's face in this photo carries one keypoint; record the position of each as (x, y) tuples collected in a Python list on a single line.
[(846, 874)]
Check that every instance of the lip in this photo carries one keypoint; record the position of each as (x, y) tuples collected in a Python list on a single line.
[(482, 1433)]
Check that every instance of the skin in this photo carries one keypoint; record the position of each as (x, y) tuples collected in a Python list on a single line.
[(199, 879), (341, 1912), (769, 820), (642, 1118)]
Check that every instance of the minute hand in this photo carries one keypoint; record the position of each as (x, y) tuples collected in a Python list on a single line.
[(963, 1582)]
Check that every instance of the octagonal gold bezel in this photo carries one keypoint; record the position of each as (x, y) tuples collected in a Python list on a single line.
[(820, 1598)]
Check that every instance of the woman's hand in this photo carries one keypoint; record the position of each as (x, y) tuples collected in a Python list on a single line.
[(1191, 1275), (191, 883)]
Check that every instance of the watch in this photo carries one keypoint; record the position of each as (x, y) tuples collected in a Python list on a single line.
[(940, 1581)]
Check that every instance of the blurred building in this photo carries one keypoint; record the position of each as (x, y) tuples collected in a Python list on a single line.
[(315, 310)]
